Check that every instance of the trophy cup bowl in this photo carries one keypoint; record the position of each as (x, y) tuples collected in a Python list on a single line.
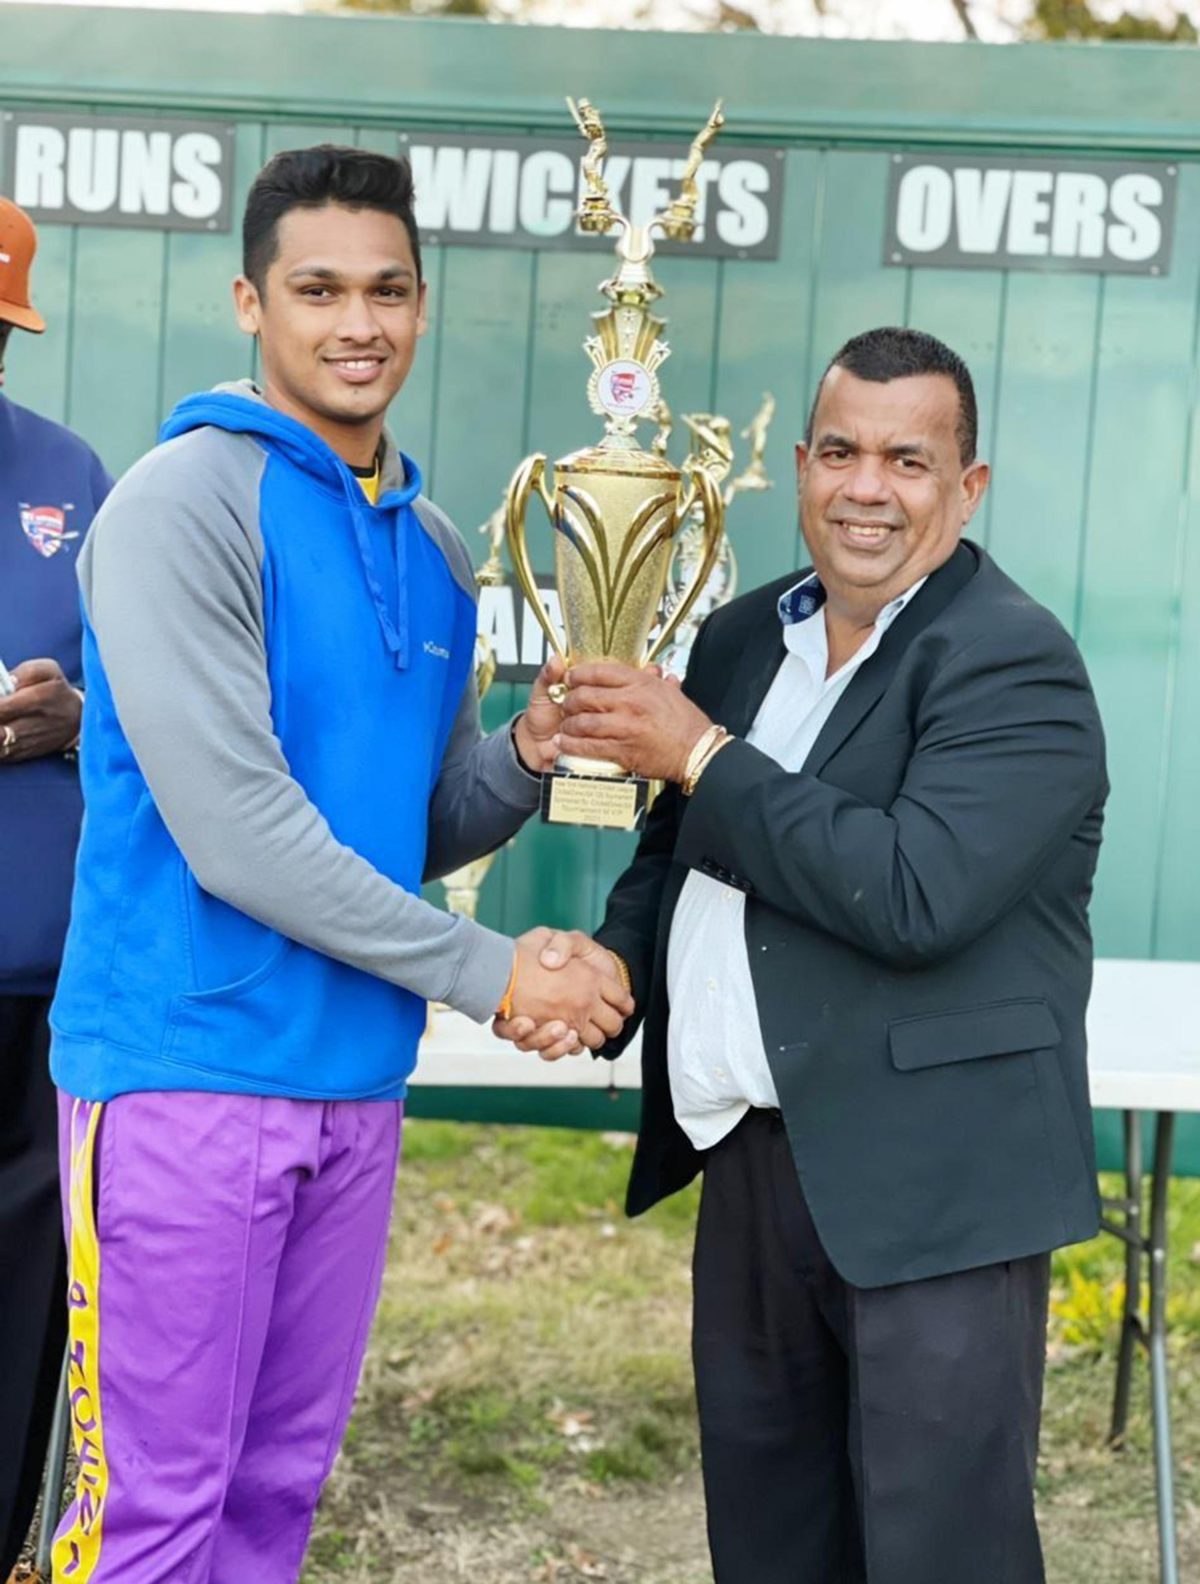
[(616, 514)]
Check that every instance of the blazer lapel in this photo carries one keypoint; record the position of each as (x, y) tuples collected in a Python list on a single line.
[(752, 676), (871, 679)]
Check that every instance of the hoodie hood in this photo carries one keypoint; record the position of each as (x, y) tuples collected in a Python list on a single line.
[(240, 407)]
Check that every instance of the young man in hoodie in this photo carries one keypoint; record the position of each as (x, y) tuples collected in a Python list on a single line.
[(281, 740), (51, 483)]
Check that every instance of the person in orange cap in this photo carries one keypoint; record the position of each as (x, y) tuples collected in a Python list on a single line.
[(51, 484)]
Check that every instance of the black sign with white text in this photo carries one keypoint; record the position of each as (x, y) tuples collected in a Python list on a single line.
[(522, 192), (956, 212), (514, 632), (119, 170)]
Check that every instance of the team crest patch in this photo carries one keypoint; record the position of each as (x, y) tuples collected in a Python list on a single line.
[(46, 528)]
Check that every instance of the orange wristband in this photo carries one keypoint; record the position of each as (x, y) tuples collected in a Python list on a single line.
[(505, 1009)]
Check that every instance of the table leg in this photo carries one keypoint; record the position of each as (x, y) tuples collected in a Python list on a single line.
[(1131, 1325), (55, 1476), (1159, 1379)]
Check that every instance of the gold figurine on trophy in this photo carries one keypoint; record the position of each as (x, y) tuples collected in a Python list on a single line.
[(711, 449), (616, 509)]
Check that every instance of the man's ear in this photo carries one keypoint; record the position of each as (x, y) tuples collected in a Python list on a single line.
[(422, 306), (974, 483), (247, 305), (801, 463)]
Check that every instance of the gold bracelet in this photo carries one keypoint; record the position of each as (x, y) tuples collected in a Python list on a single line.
[(699, 748), (706, 761), (702, 755), (622, 970)]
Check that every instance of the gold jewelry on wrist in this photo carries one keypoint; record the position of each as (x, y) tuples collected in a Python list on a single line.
[(706, 749), (622, 968)]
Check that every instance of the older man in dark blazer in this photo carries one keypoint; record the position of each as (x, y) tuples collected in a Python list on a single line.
[(857, 933)]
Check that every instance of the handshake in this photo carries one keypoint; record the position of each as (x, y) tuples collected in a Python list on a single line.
[(567, 992)]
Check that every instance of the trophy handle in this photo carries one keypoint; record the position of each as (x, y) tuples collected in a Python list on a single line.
[(703, 488), (528, 477)]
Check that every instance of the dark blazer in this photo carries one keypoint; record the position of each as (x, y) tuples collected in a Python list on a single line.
[(916, 924)]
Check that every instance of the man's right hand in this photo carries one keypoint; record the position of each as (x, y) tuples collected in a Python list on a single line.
[(567, 993)]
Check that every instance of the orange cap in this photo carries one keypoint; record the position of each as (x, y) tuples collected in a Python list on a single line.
[(18, 244)]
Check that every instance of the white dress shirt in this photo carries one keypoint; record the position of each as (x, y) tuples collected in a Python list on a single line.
[(715, 1053)]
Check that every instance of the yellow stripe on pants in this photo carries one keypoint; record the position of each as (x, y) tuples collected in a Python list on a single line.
[(77, 1546)]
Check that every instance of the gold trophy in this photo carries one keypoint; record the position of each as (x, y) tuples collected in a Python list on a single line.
[(616, 510), (462, 885)]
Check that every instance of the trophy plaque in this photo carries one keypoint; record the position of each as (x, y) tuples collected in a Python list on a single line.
[(617, 510)]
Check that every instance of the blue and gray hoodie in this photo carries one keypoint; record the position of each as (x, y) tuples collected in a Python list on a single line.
[(280, 741)]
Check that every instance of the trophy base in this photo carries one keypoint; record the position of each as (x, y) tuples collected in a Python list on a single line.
[(606, 802)]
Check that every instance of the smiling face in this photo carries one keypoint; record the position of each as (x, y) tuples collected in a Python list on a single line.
[(337, 320), (884, 492)]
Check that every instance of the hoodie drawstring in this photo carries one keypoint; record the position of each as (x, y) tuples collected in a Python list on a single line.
[(395, 637)]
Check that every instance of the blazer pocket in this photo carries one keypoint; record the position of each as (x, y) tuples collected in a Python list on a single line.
[(1001, 1028)]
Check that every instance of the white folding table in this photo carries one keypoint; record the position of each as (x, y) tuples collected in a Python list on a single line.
[(1144, 1057)]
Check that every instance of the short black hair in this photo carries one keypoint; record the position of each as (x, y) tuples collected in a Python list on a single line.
[(892, 352), (310, 178)]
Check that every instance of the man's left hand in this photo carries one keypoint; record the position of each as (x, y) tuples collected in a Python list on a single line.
[(640, 718), (42, 716)]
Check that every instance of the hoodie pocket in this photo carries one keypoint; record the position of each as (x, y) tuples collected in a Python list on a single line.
[(206, 1027)]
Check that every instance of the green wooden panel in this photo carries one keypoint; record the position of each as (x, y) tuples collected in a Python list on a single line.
[(854, 291), (479, 419), (280, 135), (764, 331), (454, 73), (1041, 441), (966, 309), (482, 384), (1176, 931), (115, 392), (601, 1109), (1127, 613), (202, 345), (37, 366)]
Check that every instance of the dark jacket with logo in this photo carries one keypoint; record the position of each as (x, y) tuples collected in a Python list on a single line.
[(916, 924), (51, 485)]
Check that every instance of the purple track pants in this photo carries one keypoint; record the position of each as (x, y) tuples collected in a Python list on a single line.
[(226, 1258)]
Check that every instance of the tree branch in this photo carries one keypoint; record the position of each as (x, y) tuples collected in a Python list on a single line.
[(963, 11)]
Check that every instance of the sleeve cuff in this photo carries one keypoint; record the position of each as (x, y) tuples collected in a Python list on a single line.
[(484, 971)]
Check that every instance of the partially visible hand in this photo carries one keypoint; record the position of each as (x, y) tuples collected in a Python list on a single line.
[(640, 718), (578, 999), (42, 716), (538, 727), (555, 948)]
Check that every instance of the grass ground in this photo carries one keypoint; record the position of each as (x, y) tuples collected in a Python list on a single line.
[(526, 1412)]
